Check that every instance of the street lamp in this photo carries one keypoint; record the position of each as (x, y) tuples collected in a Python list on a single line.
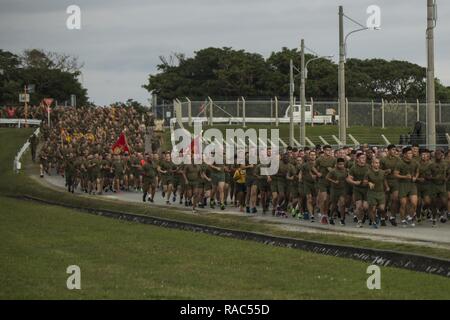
[(341, 71), (304, 76), (311, 60), (431, 103)]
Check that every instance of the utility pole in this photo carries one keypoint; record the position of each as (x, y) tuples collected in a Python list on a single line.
[(341, 80), (291, 102), (431, 105), (26, 106), (302, 95)]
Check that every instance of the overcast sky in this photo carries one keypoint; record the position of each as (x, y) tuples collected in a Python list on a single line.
[(120, 41)]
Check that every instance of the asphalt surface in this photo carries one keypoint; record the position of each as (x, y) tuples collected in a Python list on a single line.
[(422, 234)]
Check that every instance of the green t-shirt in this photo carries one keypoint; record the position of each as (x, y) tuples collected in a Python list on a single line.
[(424, 170), (166, 166), (358, 173), (406, 167), (306, 172), (389, 162), (283, 169), (340, 176), (149, 170), (118, 166), (377, 178), (438, 172), (323, 163), (192, 172)]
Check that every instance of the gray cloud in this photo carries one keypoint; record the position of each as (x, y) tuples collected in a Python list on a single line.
[(120, 41)]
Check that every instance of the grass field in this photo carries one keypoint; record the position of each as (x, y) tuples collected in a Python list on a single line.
[(126, 260)]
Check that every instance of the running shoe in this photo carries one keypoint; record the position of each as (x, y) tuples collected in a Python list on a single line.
[(410, 221), (393, 221)]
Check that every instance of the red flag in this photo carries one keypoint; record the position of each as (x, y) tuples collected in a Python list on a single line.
[(121, 145), (194, 146)]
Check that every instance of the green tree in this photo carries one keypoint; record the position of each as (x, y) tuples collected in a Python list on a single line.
[(227, 73), (54, 76)]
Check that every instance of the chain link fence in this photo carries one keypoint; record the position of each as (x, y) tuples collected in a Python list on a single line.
[(373, 113)]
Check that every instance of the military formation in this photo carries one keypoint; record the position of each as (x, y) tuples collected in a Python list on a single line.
[(377, 187)]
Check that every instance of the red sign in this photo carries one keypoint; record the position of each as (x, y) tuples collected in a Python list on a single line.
[(11, 112), (48, 101)]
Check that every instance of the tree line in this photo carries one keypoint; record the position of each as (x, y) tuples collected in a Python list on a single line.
[(225, 73), (54, 75)]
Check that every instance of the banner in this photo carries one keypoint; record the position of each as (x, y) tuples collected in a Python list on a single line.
[(121, 145)]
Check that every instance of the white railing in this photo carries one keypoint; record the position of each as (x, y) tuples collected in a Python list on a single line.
[(17, 165), (20, 122)]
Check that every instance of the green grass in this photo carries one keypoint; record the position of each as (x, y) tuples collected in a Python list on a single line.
[(123, 260), (127, 260)]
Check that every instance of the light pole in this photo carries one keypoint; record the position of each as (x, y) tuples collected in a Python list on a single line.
[(291, 102), (341, 72), (431, 105), (302, 95), (304, 76), (341, 79)]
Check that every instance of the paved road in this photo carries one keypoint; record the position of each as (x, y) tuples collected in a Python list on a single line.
[(422, 234)]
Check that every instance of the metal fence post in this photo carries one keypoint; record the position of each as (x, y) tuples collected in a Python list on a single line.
[(373, 114), (243, 112), (276, 112), (177, 110), (382, 113), (418, 109), (312, 112), (271, 111), (346, 113), (189, 112), (440, 112), (406, 114), (237, 108), (210, 122)]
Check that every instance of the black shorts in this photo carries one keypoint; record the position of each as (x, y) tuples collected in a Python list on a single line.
[(240, 187)]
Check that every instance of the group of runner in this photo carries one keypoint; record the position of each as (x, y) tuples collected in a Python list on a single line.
[(377, 185)]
